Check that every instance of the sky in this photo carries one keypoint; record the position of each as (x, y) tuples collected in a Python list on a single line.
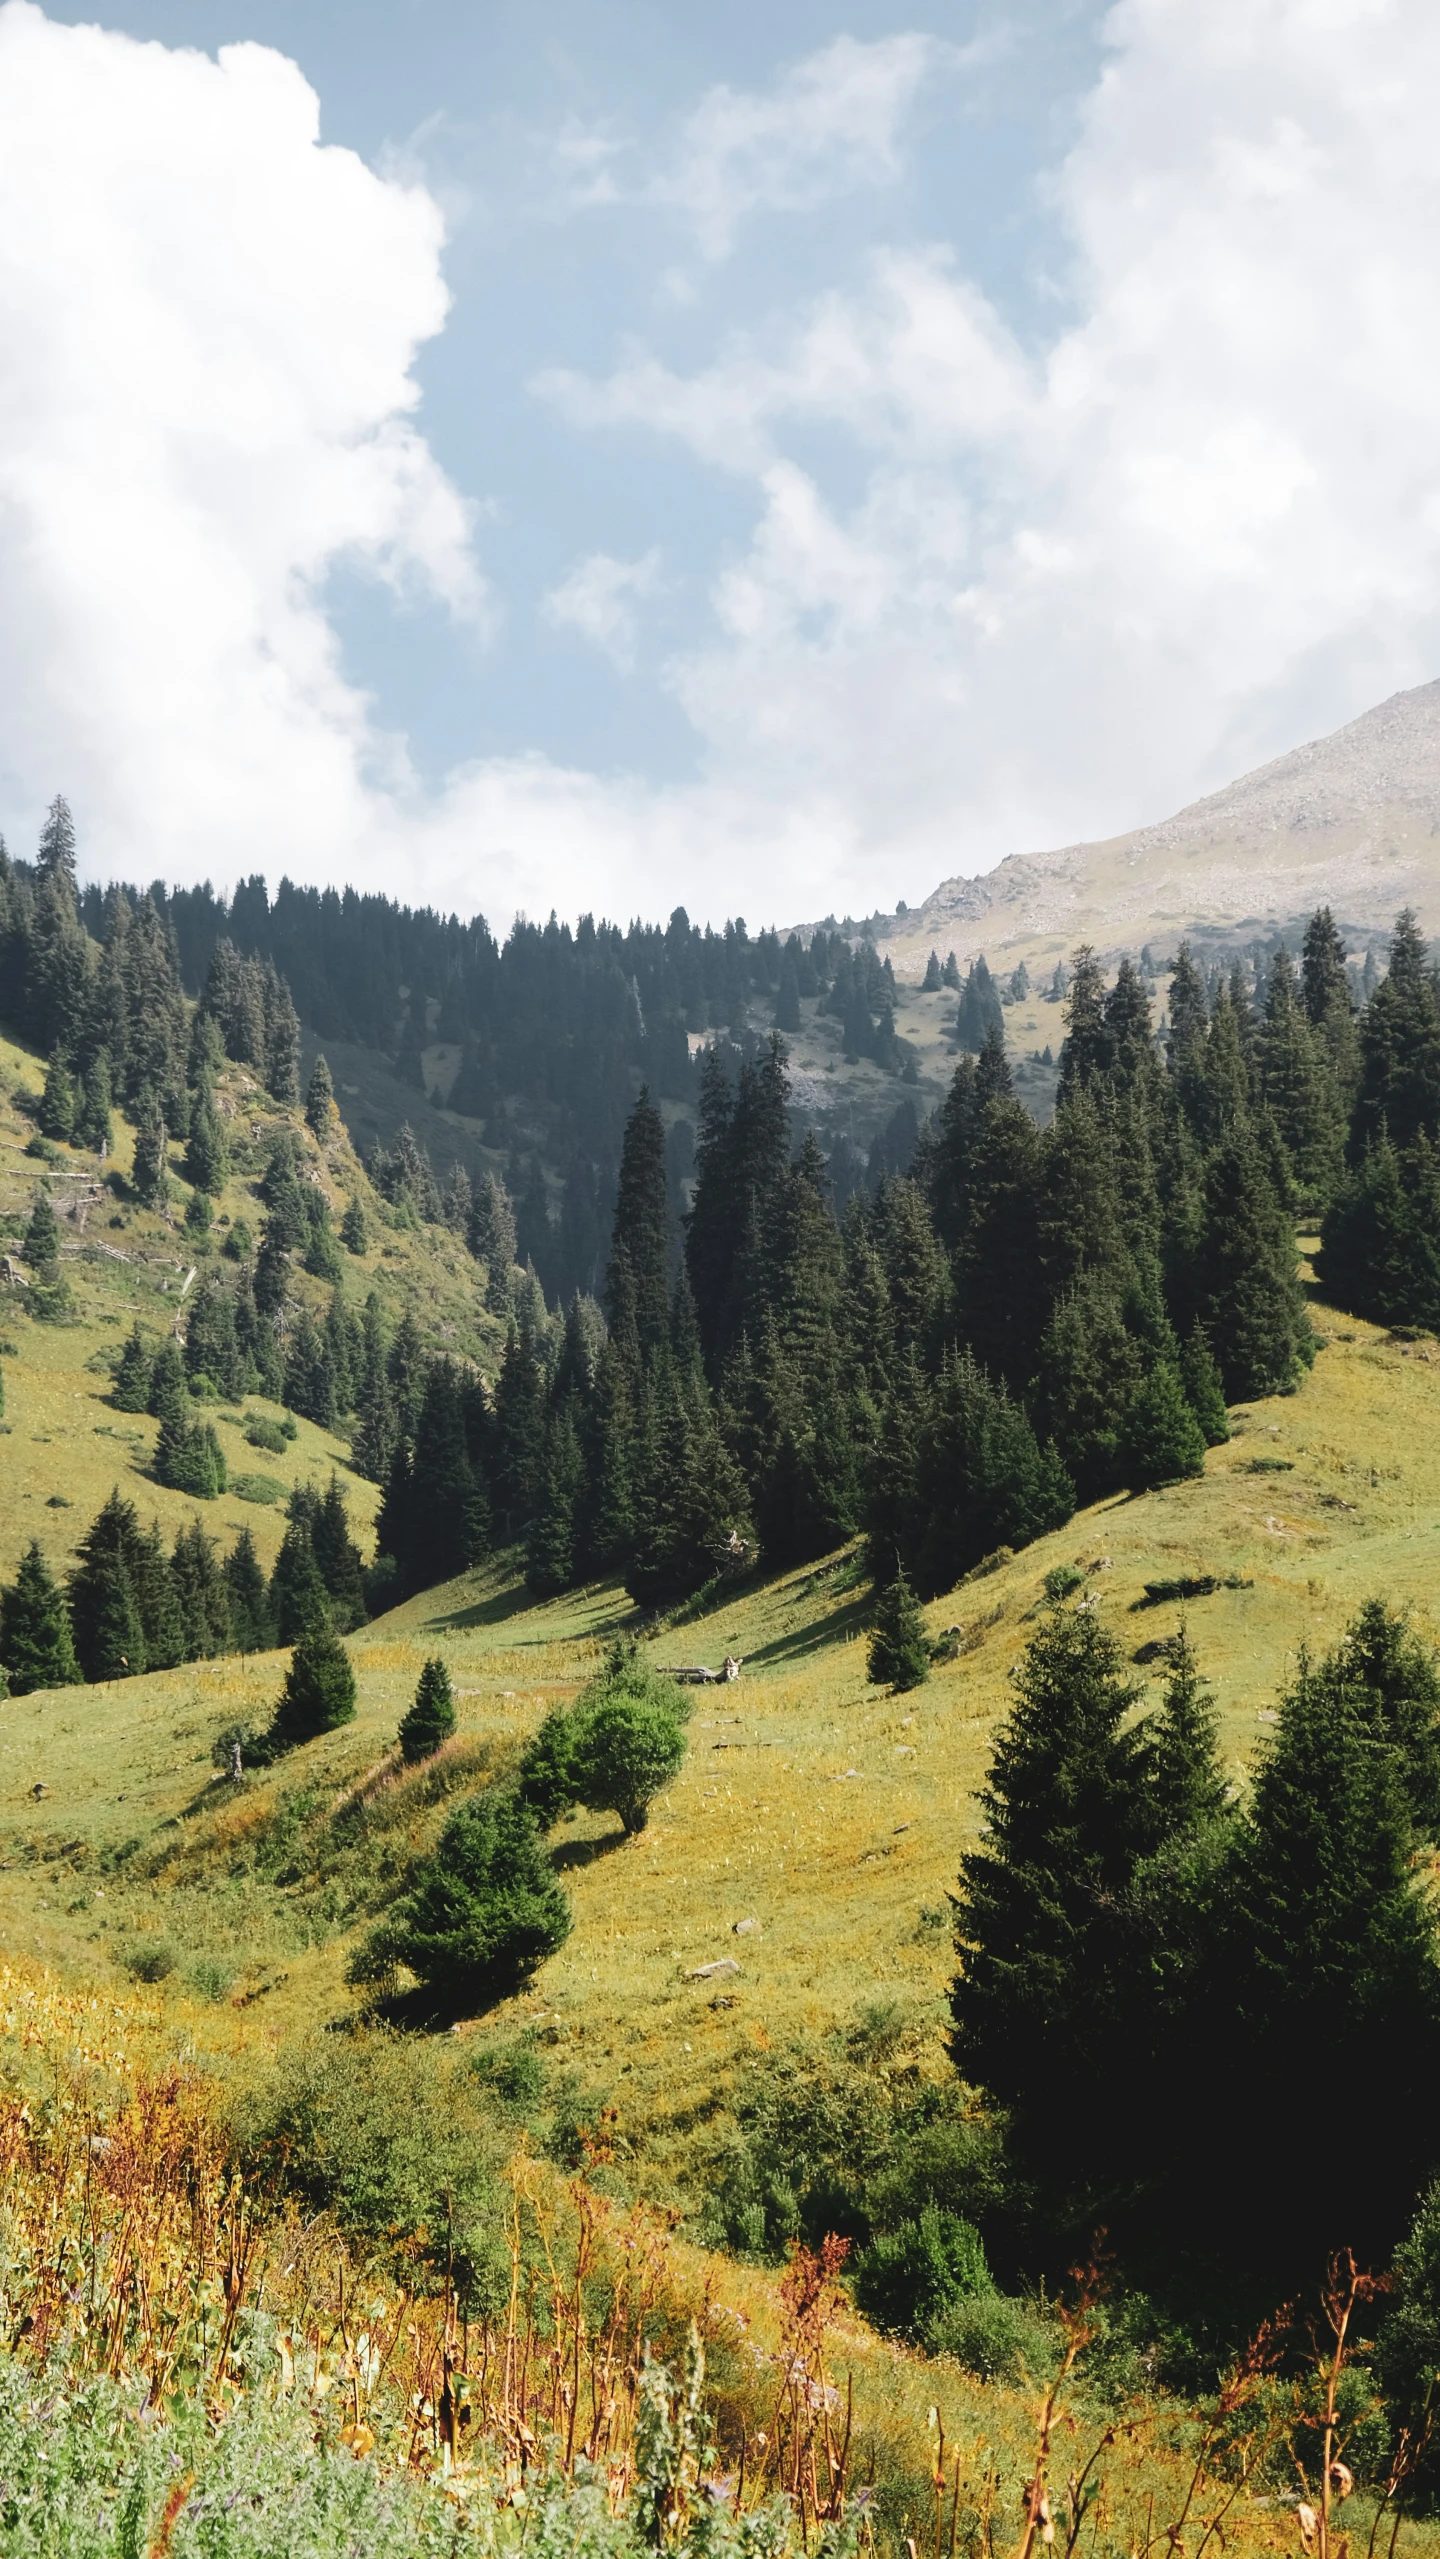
[(606, 455)]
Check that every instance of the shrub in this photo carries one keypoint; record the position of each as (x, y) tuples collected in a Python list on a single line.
[(996, 2338), (628, 1748), (483, 1912), (908, 2278), (547, 1781), (257, 1488), (153, 1960), (319, 1690), (354, 2130), (613, 1750), (431, 1719), (260, 1432), (1060, 1581)]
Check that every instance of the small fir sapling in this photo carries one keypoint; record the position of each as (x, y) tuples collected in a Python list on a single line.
[(431, 1719), (483, 1912), (899, 1654), (319, 1691), (41, 1247)]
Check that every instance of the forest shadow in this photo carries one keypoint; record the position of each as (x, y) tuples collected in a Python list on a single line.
[(803, 1641)]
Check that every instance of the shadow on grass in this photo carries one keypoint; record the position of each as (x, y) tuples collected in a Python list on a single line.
[(802, 1642), (584, 1852)]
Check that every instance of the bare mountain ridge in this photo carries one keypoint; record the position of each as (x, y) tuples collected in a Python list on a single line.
[(1350, 821)]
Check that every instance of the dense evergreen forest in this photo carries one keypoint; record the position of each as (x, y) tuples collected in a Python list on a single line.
[(1016, 1322)]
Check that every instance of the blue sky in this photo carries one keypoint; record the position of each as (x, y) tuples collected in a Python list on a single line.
[(857, 445)]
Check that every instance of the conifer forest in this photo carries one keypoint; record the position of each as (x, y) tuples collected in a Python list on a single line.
[(694, 1354)]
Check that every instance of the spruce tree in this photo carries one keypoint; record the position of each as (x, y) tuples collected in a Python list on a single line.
[(482, 1914), (337, 1558), (36, 1646), (899, 1656), (1204, 1391), (642, 1224), (297, 1596), (148, 1176), (1326, 1961), (204, 1595), (57, 1102), (1184, 1767), (319, 1691), (189, 1458), (320, 1101), (104, 1603), (169, 1394), (93, 1126), (248, 1600), (40, 1248), (354, 1233), (55, 859), (430, 1720), (1400, 1048), (1252, 1303), (553, 1546), (1160, 1437), (1042, 2004)]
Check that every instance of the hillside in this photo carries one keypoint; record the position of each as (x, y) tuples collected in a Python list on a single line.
[(811, 1804), (1350, 821)]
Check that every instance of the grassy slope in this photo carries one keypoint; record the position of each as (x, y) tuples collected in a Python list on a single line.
[(827, 1812)]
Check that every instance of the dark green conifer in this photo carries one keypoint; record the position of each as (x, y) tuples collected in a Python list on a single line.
[(1042, 1999), (1160, 1438), (320, 1100), (204, 1595), (899, 1655), (338, 1559), (131, 1391), (1400, 1048), (483, 1913), (354, 1233), (148, 1176), (297, 1597), (207, 1156), (642, 1225), (56, 1114), (248, 1601), (1327, 1961), (1252, 1303), (430, 1720), (41, 1245), (189, 1458), (552, 1547), (93, 1125), (319, 1691), (1185, 1773), (104, 1605), (1204, 1390), (169, 1396), (36, 1646)]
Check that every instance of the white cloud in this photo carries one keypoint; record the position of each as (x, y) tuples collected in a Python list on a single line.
[(208, 324), (1077, 584), (830, 123), (1081, 585), (598, 600)]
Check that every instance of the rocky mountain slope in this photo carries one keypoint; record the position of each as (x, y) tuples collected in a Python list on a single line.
[(1351, 821)]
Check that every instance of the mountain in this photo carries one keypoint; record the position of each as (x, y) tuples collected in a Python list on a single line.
[(1350, 821)]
